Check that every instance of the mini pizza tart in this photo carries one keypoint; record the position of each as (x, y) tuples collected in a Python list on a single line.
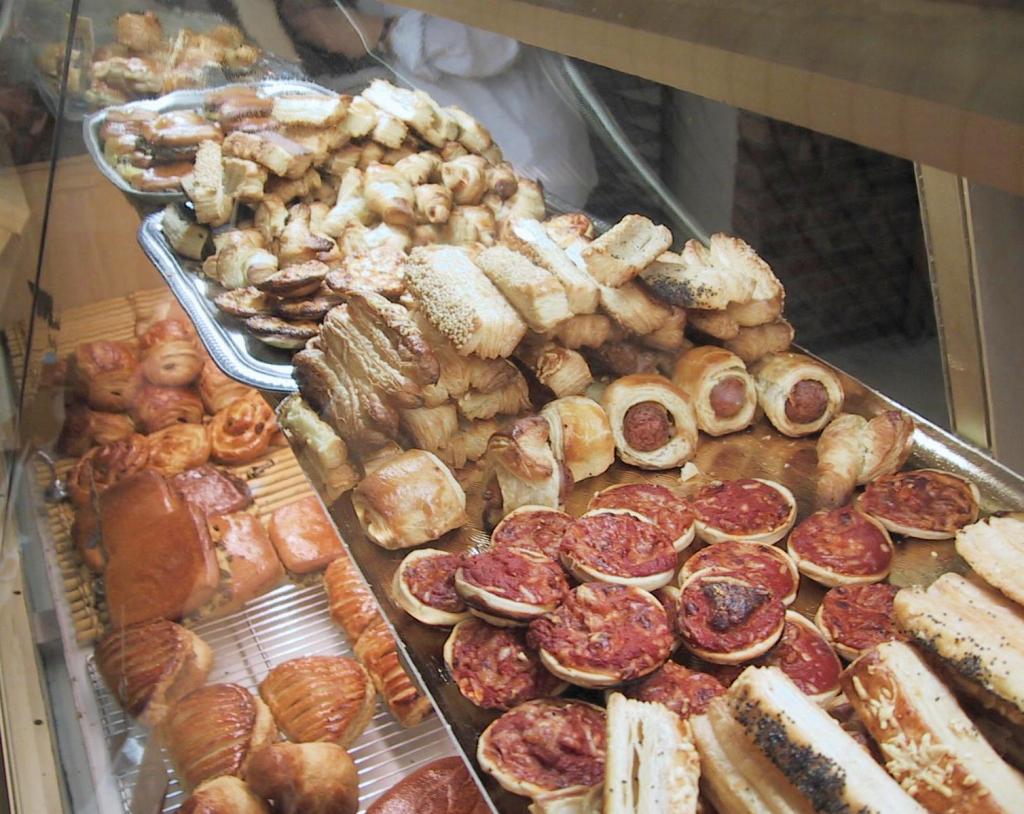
[(493, 667), (806, 657), (659, 504), (669, 599), (510, 586), (748, 510), (616, 546), (536, 527), (684, 691), (726, 620), (841, 547), (603, 635), (763, 565), (424, 587), (854, 618), (544, 746), (924, 503)]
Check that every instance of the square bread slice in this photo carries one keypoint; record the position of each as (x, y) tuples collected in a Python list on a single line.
[(462, 303), (617, 256), (533, 291)]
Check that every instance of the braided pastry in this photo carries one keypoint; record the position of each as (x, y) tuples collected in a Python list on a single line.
[(178, 447), (217, 390), (174, 363), (108, 373), (158, 407), (103, 466), (242, 431)]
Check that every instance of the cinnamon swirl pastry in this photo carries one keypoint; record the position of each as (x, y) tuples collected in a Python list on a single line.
[(178, 447), (174, 363), (103, 466), (158, 407), (242, 431), (108, 373), (218, 390)]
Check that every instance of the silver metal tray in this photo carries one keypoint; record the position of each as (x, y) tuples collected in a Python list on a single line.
[(191, 99), (232, 348), (759, 451)]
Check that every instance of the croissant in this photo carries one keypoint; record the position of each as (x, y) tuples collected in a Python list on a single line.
[(169, 329), (501, 178), (173, 363), (468, 225), (158, 407), (108, 373), (389, 194), (433, 202), (218, 390), (178, 447), (420, 168), (103, 466), (242, 431), (466, 177)]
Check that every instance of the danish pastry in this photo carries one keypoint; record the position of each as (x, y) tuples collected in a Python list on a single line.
[(178, 447), (158, 407), (241, 432)]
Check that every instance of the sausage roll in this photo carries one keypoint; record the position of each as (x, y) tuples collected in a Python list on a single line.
[(841, 547), (536, 527), (547, 745), (853, 450), (603, 635), (929, 744), (493, 668), (410, 499), (720, 388), (581, 436), (924, 503), (510, 586), (658, 504), (424, 587), (799, 395), (620, 548), (748, 510), (653, 422)]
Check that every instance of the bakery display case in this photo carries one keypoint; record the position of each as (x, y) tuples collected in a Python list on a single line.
[(548, 407)]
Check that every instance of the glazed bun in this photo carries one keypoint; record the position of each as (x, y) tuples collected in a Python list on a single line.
[(305, 778), (174, 363), (107, 373), (218, 390), (158, 407), (241, 432)]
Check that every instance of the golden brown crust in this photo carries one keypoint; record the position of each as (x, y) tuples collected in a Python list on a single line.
[(377, 649), (319, 698), (103, 466), (779, 378), (352, 605), (178, 447), (441, 787), (173, 363), (304, 535), (581, 436), (157, 407), (750, 344), (702, 373), (241, 432), (249, 565), (224, 795), (641, 388), (853, 450), (218, 390), (305, 778), (522, 464), (108, 373)]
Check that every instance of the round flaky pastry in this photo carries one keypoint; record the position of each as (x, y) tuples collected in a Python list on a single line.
[(178, 447), (799, 395), (581, 436), (424, 587), (720, 388), (748, 510), (652, 421)]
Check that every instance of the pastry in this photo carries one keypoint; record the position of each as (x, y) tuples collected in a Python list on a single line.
[(509, 586), (443, 786), (806, 656), (214, 731), (411, 499), (581, 437), (583, 331), (241, 432), (424, 587), (305, 778), (633, 308), (620, 548), (224, 795), (157, 407), (218, 390), (510, 398), (534, 292), (103, 466), (603, 635), (150, 665), (377, 649), (655, 503), (841, 547), (351, 603), (529, 238), (322, 453), (248, 565), (537, 527), (319, 698), (431, 427), (282, 333), (924, 503), (622, 252), (522, 469), (380, 270), (720, 389), (178, 447), (855, 618), (313, 109), (684, 691), (992, 547), (751, 344), (304, 535), (108, 373), (652, 421), (799, 395), (211, 490), (749, 510), (82, 428), (562, 371), (853, 450), (174, 363)]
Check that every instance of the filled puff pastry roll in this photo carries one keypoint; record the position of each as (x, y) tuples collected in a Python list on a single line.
[(581, 436), (410, 499), (653, 422), (799, 395), (720, 388)]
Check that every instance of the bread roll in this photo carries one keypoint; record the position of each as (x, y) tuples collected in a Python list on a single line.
[(652, 421), (305, 778), (720, 388), (224, 795)]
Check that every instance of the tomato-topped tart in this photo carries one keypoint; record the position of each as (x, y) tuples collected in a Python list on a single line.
[(537, 527), (493, 667), (748, 510), (510, 586), (726, 620), (805, 656), (544, 746), (659, 504), (923, 503), (424, 587), (617, 546), (855, 618), (841, 547), (684, 691), (763, 565), (603, 635)]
